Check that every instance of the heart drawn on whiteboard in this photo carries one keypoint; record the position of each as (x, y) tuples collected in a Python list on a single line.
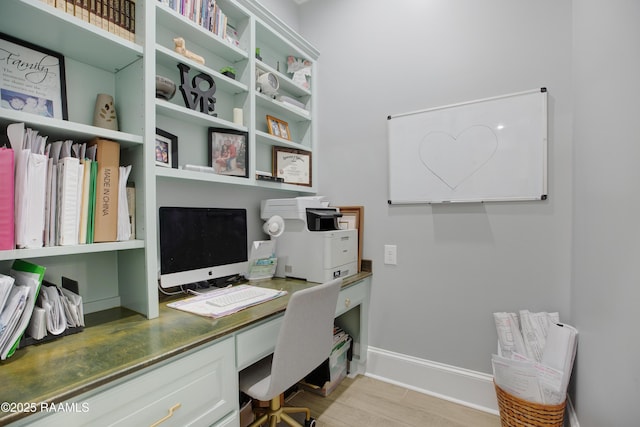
[(455, 158)]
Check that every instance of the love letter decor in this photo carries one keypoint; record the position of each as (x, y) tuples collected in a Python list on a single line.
[(195, 97)]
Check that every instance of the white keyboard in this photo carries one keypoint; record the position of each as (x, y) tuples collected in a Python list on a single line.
[(235, 297)]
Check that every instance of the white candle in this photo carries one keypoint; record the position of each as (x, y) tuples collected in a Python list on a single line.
[(237, 116)]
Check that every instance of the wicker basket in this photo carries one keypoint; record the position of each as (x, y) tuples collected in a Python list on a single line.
[(515, 412)]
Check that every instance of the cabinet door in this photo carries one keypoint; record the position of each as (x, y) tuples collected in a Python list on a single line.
[(197, 389)]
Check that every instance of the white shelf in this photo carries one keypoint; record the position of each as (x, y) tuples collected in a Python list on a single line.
[(296, 113), (182, 174), (267, 139), (52, 251), (63, 33), (193, 116), (166, 17), (63, 129), (170, 59), (286, 84)]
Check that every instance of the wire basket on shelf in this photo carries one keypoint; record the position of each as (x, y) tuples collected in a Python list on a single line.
[(516, 412)]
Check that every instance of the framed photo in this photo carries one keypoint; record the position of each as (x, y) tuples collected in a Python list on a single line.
[(353, 218), (293, 166), (278, 127), (32, 79), (166, 153), (229, 152)]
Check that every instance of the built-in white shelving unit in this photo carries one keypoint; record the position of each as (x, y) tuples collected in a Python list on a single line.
[(97, 61)]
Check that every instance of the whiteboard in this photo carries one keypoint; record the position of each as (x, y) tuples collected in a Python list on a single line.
[(492, 149)]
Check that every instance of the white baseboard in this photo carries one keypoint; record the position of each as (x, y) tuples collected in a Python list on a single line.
[(463, 386)]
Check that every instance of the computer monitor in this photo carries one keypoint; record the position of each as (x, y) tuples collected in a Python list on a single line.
[(202, 244)]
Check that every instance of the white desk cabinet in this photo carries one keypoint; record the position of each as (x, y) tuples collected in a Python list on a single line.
[(351, 314), (201, 386)]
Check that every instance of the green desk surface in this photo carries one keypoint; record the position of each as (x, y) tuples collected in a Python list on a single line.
[(119, 342)]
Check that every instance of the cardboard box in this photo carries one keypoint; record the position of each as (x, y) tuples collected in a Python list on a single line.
[(246, 414), (326, 377)]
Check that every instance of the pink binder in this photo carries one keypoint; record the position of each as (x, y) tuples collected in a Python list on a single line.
[(6, 199)]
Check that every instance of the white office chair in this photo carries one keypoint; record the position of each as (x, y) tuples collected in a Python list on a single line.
[(304, 342)]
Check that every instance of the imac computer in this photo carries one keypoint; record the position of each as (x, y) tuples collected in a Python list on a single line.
[(202, 244)]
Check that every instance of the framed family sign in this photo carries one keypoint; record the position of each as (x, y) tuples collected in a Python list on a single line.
[(32, 79), (294, 166)]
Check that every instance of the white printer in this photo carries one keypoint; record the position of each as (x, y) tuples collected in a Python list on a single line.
[(312, 247)]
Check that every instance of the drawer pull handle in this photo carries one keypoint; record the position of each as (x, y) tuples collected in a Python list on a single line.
[(169, 415), (347, 302)]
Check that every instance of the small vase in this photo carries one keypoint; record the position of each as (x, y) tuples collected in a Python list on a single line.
[(104, 115)]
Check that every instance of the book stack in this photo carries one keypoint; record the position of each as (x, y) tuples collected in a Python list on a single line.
[(116, 16), (61, 193), (205, 13)]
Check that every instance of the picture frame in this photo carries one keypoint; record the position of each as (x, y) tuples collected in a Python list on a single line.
[(278, 128), (353, 218), (228, 151), (166, 149), (32, 79), (292, 165)]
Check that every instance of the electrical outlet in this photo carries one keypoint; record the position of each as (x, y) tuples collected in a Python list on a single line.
[(391, 254)]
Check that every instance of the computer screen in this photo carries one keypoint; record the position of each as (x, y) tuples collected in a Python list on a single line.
[(201, 244)]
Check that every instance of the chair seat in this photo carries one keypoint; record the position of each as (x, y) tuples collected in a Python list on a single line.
[(256, 379)]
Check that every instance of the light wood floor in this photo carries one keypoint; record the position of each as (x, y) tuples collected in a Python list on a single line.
[(365, 401)]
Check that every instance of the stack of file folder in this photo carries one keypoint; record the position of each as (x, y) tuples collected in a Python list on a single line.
[(58, 312), (48, 191), (33, 310), (19, 292)]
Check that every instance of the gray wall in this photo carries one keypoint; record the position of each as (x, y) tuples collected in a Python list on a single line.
[(456, 264), (577, 253), (606, 236)]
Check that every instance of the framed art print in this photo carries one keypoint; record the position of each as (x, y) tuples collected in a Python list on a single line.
[(166, 150), (32, 79), (229, 152), (277, 127)]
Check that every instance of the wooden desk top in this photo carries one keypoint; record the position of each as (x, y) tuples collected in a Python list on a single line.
[(119, 342)]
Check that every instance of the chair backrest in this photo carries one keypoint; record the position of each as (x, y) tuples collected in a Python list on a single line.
[(306, 335)]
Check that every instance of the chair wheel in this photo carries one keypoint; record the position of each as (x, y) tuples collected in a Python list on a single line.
[(311, 422)]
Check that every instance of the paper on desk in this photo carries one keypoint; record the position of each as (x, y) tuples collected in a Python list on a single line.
[(30, 276), (73, 304), (37, 325), (11, 314), (6, 283), (54, 309), (198, 304)]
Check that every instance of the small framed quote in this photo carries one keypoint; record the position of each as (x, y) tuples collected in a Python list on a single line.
[(166, 152), (32, 79), (293, 166)]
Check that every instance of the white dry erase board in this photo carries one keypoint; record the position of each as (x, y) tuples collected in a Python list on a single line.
[(492, 149)]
